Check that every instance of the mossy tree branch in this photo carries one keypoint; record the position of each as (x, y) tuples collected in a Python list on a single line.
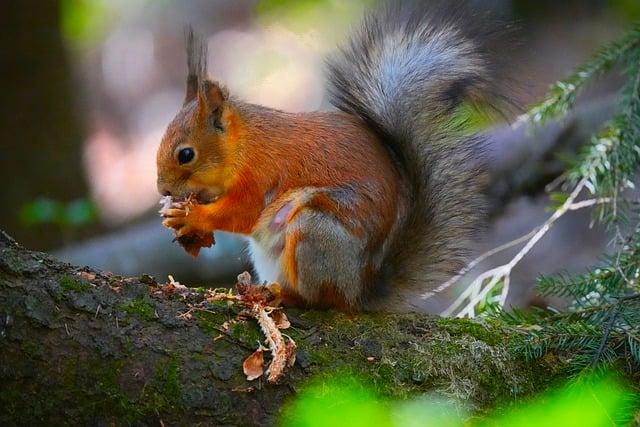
[(80, 346)]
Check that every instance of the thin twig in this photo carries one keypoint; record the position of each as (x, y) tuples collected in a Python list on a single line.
[(572, 207), (477, 261), (589, 202), (502, 273)]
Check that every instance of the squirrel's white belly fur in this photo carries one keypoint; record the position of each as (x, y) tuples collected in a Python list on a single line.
[(266, 243), (265, 265)]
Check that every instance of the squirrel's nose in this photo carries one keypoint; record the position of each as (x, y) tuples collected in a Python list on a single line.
[(163, 190)]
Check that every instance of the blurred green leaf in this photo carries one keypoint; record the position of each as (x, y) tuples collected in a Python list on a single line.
[(587, 402), (329, 18), (83, 21), (557, 199), (590, 401), (629, 10), (427, 411), (43, 211), (476, 116), (80, 212), (340, 401)]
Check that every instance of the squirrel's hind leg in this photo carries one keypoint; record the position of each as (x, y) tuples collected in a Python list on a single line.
[(323, 261)]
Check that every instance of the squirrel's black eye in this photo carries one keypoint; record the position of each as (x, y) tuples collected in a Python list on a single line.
[(185, 155)]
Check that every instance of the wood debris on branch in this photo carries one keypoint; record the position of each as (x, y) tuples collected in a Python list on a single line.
[(260, 302)]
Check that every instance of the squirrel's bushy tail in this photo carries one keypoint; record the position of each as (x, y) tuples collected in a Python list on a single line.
[(403, 73)]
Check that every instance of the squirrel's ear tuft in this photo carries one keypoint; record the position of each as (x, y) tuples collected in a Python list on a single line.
[(196, 63), (192, 89), (211, 99)]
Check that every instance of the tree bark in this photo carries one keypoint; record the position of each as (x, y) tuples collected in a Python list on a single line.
[(82, 347)]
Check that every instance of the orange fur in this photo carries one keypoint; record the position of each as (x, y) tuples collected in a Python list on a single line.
[(330, 297), (264, 159), (325, 203), (290, 263), (263, 149)]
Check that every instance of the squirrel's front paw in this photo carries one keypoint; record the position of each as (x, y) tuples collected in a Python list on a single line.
[(188, 220), (185, 218)]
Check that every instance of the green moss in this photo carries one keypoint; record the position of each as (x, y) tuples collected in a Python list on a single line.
[(123, 322), (100, 392), (415, 354), (128, 346), (10, 261), (458, 327), (318, 317), (199, 357), (162, 394), (221, 306), (247, 332), (74, 284), (31, 349), (319, 355), (148, 279), (140, 308), (209, 321), (167, 380), (11, 404)]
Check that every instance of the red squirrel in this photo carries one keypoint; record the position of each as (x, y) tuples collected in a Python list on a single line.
[(354, 209)]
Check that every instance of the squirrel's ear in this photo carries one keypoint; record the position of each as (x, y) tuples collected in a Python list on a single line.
[(192, 89), (211, 99)]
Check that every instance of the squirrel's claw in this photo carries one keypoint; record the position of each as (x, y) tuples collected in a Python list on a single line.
[(174, 223), (174, 213), (179, 226), (184, 230)]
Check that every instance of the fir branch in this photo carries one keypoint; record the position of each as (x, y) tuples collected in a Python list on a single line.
[(611, 160), (562, 94), (605, 335), (600, 324)]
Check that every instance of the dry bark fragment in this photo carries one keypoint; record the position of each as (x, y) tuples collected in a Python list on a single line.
[(260, 302), (253, 366)]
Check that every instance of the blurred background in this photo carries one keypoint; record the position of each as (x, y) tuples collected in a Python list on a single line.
[(88, 87)]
